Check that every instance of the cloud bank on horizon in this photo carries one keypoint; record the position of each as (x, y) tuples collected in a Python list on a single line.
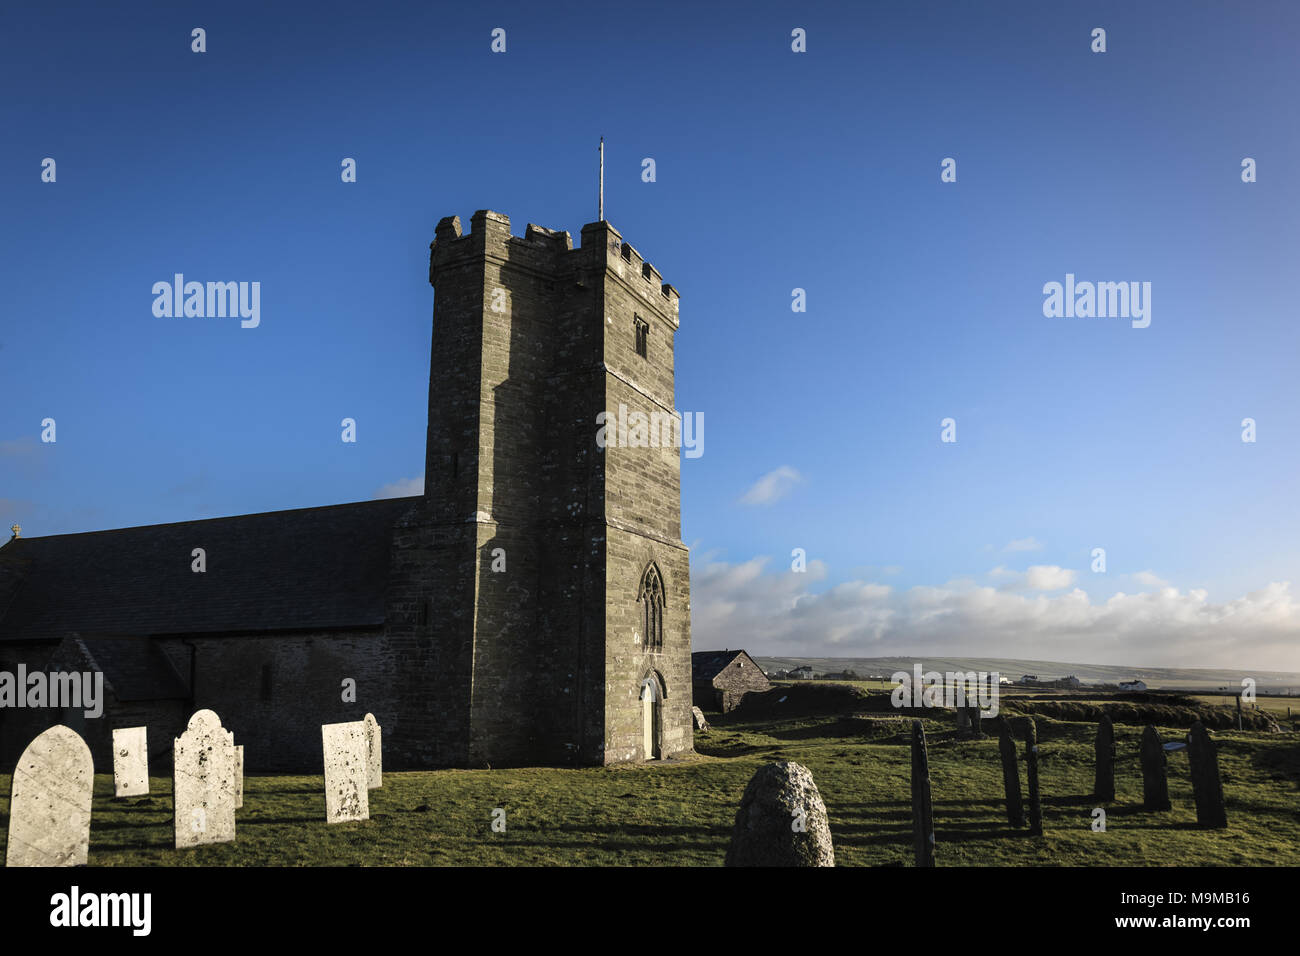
[(1039, 613)]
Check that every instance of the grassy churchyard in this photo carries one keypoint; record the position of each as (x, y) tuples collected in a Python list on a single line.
[(680, 812)]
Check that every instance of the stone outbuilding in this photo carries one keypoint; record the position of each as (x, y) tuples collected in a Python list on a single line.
[(721, 678)]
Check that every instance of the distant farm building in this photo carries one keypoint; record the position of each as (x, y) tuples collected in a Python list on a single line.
[(801, 673), (720, 679), (1132, 685)]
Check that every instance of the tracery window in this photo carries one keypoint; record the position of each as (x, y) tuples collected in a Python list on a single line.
[(652, 608)]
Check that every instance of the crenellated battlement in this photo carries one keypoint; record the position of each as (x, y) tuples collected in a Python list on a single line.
[(602, 246)]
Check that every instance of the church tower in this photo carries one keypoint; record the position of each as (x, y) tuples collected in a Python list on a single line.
[(540, 596)]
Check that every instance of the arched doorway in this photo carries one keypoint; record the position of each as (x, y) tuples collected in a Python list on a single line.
[(651, 718)]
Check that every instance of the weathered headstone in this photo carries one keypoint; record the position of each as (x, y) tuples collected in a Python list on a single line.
[(49, 806), (963, 721), (204, 788), (698, 716), (1207, 786), (1010, 775), (1239, 726), (374, 753), (922, 805), (346, 753), (1103, 786), (781, 821), (1031, 772), (130, 762), (239, 774), (1155, 779)]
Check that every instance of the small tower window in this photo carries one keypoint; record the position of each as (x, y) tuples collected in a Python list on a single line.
[(642, 334)]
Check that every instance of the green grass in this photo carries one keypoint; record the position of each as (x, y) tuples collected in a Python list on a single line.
[(679, 813)]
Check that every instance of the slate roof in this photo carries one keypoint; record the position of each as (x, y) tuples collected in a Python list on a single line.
[(311, 568), (706, 665)]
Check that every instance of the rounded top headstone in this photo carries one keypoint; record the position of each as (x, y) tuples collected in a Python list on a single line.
[(203, 719)]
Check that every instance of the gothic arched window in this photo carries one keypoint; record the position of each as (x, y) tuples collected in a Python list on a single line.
[(652, 610)]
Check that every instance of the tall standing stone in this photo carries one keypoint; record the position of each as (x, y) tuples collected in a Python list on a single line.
[(130, 762), (239, 774), (346, 753), (1010, 775), (1031, 772), (204, 789), (1155, 774), (781, 821), (1207, 786), (1103, 786), (374, 752), (922, 805), (49, 805)]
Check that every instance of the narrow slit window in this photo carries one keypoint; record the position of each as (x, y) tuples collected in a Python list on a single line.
[(642, 334)]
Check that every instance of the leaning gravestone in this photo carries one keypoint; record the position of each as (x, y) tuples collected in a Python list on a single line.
[(239, 774), (922, 804), (1155, 779), (698, 716), (49, 806), (204, 782), (130, 762), (346, 760), (1031, 771), (1207, 786), (781, 821), (1010, 775), (1103, 786), (374, 752)]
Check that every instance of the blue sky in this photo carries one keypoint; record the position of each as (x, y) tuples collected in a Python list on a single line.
[(775, 170)]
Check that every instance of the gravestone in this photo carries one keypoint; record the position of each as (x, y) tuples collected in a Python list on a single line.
[(374, 753), (963, 721), (49, 805), (1031, 772), (346, 761), (976, 730), (1155, 778), (239, 774), (1103, 786), (1207, 786), (130, 762), (1011, 775), (204, 782), (698, 716), (922, 805), (781, 821)]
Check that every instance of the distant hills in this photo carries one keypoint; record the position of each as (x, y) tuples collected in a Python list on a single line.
[(1181, 678)]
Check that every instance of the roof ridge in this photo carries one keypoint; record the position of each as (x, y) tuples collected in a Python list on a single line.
[(255, 514)]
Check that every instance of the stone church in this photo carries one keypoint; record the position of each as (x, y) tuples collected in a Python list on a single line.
[(532, 607)]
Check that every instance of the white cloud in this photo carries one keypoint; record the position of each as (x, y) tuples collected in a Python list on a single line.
[(772, 487), (1024, 544), (775, 612), (1039, 577), (401, 488), (1048, 577), (1149, 580)]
